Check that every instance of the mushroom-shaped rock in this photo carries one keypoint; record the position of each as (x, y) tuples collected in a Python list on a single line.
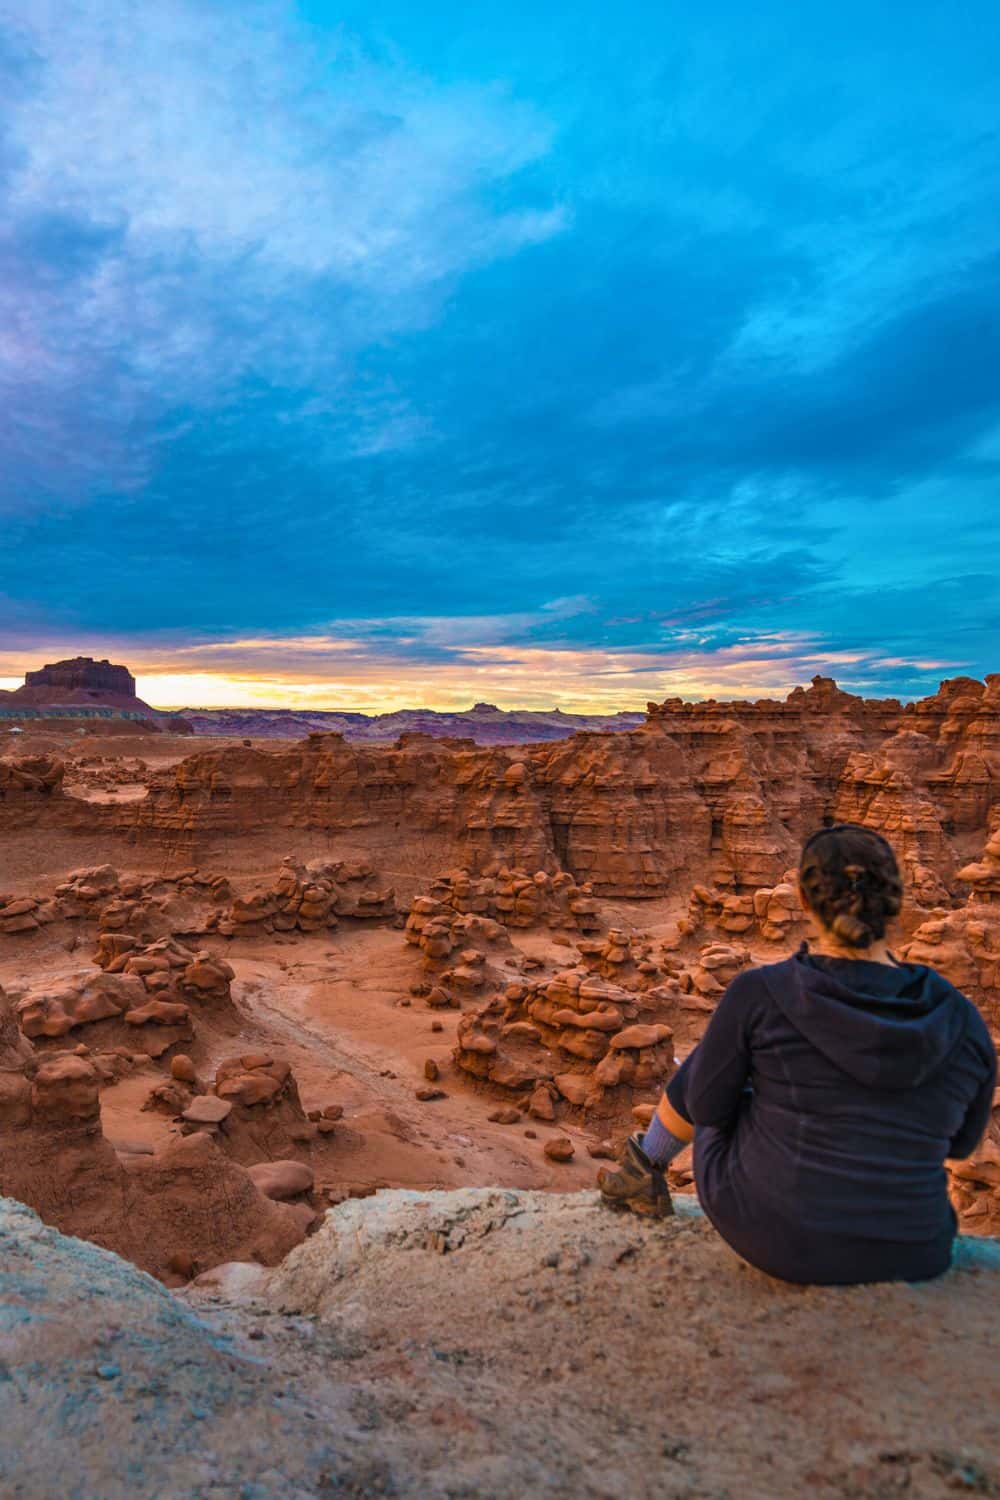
[(77, 1000), (591, 1020), (208, 977), (15, 924), (522, 1031), (540, 1105), (476, 1042), (982, 1166), (574, 1087), (21, 906)]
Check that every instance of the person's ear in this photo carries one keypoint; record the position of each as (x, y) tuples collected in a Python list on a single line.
[(803, 900)]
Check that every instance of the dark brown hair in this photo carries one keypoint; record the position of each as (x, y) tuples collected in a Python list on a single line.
[(850, 878)]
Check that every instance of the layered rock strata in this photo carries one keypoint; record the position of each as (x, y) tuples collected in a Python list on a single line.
[(718, 793)]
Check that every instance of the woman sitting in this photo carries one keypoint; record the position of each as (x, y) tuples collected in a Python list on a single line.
[(827, 1093)]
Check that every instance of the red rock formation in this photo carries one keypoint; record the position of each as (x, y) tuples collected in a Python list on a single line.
[(983, 875), (510, 897), (310, 898), (26, 781), (84, 673), (187, 1201), (965, 946), (82, 683), (772, 913), (572, 1037), (189, 903), (975, 1183), (723, 790), (965, 943), (145, 999), (265, 1119)]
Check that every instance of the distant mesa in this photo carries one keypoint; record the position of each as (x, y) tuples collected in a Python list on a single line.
[(82, 688), (81, 674)]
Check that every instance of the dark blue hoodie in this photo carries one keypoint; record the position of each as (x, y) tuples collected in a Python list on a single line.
[(827, 1094)]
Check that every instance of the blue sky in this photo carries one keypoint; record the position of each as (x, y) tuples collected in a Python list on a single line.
[(551, 355)]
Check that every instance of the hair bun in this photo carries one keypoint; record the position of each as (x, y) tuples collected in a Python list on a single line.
[(850, 880), (854, 932)]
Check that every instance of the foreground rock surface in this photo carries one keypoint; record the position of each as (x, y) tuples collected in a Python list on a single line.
[(492, 1342), (112, 1388)]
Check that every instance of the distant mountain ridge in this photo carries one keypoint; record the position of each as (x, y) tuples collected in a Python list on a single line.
[(484, 723)]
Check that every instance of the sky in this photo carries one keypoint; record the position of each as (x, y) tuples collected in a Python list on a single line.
[(548, 355)]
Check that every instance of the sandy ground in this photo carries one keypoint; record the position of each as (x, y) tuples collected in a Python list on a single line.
[(333, 1005), (330, 1005)]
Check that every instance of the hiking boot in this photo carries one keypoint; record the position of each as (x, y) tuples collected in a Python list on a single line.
[(636, 1184)]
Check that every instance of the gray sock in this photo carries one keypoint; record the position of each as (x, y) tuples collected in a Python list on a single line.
[(660, 1144)]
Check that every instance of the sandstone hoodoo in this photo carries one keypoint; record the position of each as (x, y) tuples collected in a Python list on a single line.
[(185, 1198)]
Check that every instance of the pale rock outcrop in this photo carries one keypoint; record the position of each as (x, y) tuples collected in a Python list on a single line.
[(294, 1381)]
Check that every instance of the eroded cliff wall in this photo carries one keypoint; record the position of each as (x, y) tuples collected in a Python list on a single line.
[(722, 792)]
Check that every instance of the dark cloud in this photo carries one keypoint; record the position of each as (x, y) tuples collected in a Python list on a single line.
[(907, 399)]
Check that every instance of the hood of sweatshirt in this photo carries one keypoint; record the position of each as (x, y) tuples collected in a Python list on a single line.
[(886, 1026)]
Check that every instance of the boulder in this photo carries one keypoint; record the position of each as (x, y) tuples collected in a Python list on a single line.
[(282, 1180)]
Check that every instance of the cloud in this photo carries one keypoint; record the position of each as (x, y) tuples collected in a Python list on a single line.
[(197, 197), (238, 131), (371, 673), (432, 346)]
